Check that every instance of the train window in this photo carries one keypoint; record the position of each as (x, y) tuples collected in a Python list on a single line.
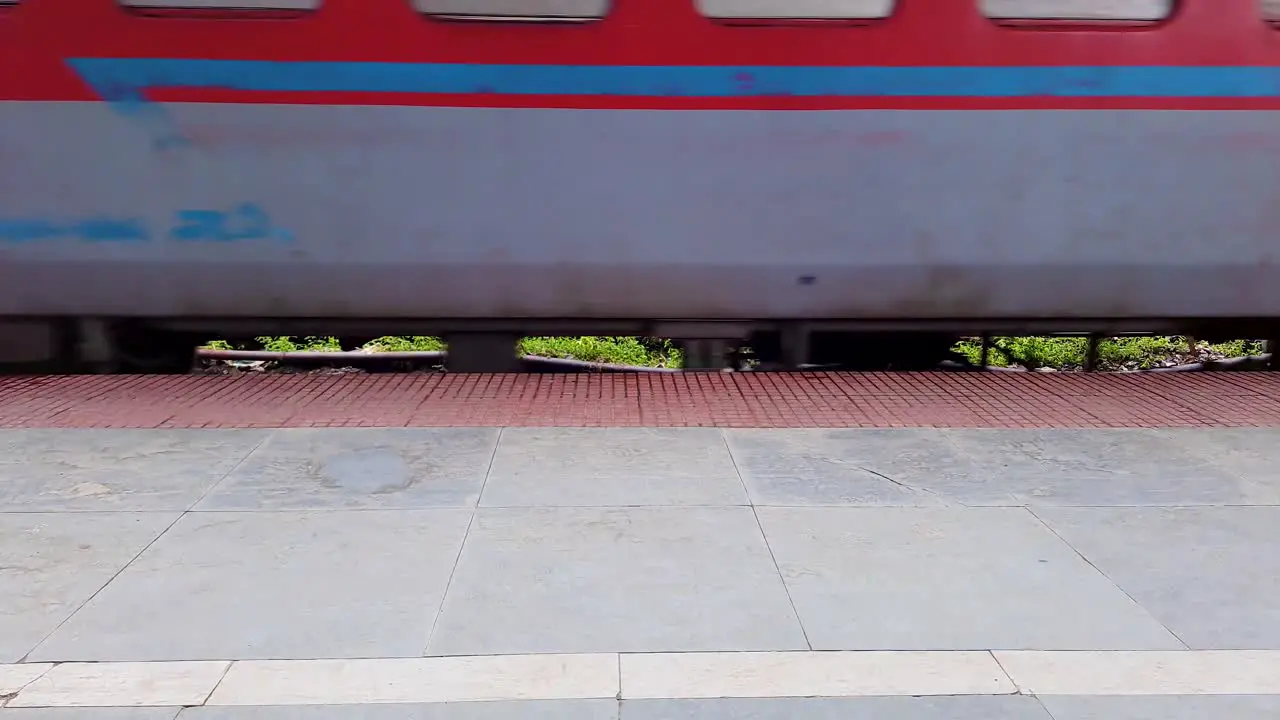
[(251, 5), (1141, 10), (1271, 10), (796, 9), (523, 10)]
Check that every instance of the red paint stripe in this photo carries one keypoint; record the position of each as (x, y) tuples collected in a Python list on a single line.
[(663, 103), (84, 94)]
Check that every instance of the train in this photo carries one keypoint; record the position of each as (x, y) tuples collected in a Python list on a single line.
[(825, 180)]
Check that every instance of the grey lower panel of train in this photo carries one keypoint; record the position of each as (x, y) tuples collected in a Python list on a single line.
[(223, 210)]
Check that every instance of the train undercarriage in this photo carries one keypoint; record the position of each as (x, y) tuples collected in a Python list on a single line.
[(115, 345)]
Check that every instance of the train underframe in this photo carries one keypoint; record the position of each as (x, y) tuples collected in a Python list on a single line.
[(153, 345)]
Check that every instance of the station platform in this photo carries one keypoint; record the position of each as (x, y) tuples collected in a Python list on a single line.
[(711, 399), (986, 569)]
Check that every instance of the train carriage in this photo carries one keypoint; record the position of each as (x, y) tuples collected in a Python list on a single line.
[(807, 175)]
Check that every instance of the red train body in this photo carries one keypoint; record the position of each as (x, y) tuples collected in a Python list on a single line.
[(174, 173)]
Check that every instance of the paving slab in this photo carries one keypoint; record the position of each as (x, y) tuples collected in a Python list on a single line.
[(811, 674), (123, 684), (420, 680), (1166, 707), (97, 713), (615, 580), (871, 708), (947, 579), (612, 466), (15, 676), (1143, 672), (1251, 454), (1211, 575), (378, 468), (842, 467), (1088, 467), (273, 585), (52, 563), (931, 467), (520, 710), (64, 470)]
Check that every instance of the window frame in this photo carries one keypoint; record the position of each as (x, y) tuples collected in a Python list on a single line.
[(889, 8), (1078, 17), (223, 8), (447, 14)]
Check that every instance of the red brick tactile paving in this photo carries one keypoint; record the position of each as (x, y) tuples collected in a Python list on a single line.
[(998, 400)]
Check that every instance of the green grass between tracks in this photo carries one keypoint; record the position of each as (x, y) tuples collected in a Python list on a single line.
[(644, 352), (1128, 353), (1058, 353)]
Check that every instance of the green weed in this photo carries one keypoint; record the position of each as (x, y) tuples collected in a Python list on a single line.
[(614, 350), (643, 352), (1059, 353), (1123, 353)]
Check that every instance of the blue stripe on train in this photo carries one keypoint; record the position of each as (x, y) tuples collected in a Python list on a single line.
[(121, 79)]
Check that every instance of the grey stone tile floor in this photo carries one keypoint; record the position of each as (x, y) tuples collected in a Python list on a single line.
[(1005, 707), (89, 713), (188, 544)]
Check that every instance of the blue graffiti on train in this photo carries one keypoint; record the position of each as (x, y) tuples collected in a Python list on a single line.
[(247, 222), (90, 230)]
